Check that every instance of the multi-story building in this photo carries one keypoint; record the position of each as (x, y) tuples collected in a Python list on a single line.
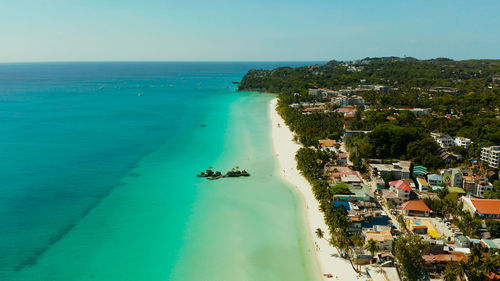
[(446, 141), (443, 140), (400, 169), (491, 156), (463, 142), (482, 185)]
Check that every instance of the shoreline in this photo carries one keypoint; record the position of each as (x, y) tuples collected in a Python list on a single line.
[(284, 149)]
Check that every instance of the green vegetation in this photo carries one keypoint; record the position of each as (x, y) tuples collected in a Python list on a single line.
[(310, 128), (468, 113), (340, 188), (478, 264), (372, 246), (409, 251)]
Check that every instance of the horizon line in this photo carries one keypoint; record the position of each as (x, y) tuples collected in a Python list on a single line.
[(227, 61)]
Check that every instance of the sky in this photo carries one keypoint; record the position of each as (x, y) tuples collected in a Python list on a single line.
[(256, 30)]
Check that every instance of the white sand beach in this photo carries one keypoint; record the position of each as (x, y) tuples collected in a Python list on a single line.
[(285, 148)]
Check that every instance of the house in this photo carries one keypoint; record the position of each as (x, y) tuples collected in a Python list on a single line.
[(338, 172), (415, 208), (400, 170), (401, 188), (438, 263), (453, 177), (352, 180), (422, 184), (489, 244), (383, 238), (484, 208), (491, 156), (327, 144), (341, 159), (434, 179), (462, 242), (378, 183)]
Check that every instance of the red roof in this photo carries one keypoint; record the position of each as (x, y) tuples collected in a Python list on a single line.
[(420, 227), (486, 206), (401, 185), (415, 205)]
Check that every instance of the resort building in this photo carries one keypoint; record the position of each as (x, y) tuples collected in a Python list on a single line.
[(415, 208), (484, 208), (491, 156), (401, 188), (423, 185), (400, 170), (463, 142), (443, 140), (446, 141)]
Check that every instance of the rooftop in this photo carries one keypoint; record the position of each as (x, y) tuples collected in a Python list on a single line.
[(327, 143), (486, 206), (422, 181), (415, 205), (401, 185), (379, 236)]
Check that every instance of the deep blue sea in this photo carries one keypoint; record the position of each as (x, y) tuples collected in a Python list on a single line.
[(97, 176)]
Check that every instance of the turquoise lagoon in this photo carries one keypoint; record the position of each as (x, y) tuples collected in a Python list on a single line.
[(98, 182)]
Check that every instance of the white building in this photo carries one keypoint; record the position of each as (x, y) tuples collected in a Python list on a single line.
[(491, 156), (463, 142), (443, 140)]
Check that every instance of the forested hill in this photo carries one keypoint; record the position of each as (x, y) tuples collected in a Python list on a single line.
[(402, 73)]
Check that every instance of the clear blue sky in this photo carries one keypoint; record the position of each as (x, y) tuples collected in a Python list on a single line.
[(252, 30)]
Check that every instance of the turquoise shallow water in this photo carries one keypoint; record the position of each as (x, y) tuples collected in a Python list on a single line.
[(98, 183)]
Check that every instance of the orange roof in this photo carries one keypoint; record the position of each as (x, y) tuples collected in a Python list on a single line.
[(415, 205), (349, 116), (486, 206), (390, 118), (327, 142)]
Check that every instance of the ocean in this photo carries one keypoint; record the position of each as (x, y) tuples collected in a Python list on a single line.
[(98, 165)]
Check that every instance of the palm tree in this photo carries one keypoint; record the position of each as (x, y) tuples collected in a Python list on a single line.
[(357, 241), (319, 233), (372, 246), (455, 271)]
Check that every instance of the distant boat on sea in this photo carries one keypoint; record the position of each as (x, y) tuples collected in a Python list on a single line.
[(139, 94)]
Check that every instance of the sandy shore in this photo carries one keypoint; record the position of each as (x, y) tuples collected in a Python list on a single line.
[(284, 150)]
